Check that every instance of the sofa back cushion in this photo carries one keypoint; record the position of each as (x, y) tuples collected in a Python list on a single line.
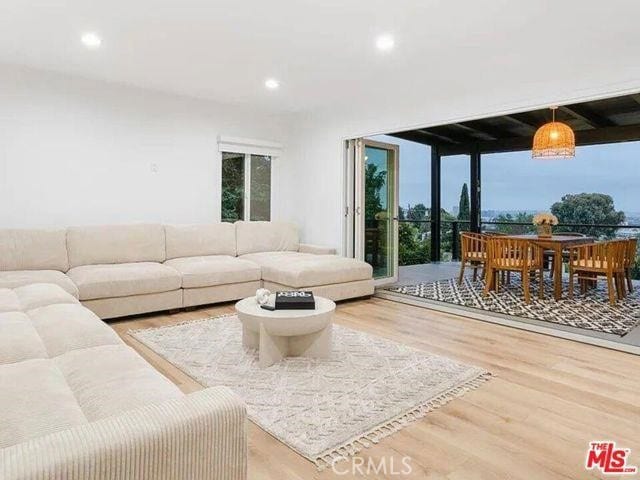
[(102, 244), (254, 237), (200, 240), (33, 249)]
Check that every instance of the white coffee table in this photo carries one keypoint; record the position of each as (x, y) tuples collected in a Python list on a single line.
[(286, 333)]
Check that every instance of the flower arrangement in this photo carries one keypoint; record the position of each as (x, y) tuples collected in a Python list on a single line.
[(544, 221), (545, 218)]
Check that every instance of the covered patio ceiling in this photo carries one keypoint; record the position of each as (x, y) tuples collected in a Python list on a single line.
[(610, 120)]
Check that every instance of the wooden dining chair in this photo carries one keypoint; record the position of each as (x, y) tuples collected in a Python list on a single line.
[(513, 255), (549, 255), (473, 252), (630, 260), (603, 259)]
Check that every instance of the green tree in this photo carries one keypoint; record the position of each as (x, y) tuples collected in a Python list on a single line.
[(418, 212), (413, 249), (374, 182), (521, 217), (232, 188), (588, 208), (463, 205)]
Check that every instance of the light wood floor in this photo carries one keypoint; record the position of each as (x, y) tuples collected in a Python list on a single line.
[(533, 421)]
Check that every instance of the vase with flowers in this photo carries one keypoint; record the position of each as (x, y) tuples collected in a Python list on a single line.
[(544, 221)]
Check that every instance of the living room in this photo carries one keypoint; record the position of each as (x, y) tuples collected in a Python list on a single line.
[(185, 285)]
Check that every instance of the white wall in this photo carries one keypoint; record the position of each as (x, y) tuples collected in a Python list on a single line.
[(76, 151), (317, 144)]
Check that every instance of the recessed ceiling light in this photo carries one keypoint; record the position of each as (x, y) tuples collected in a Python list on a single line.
[(91, 40), (271, 83), (385, 42)]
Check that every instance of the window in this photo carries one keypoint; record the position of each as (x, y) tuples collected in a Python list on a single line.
[(246, 187)]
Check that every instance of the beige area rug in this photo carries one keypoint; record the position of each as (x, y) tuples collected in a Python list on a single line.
[(325, 409)]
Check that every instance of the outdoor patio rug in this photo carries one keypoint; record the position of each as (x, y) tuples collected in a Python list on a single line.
[(325, 409), (591, 311)]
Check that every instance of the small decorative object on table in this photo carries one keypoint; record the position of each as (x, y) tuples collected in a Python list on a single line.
[(544, 221), (262, 296), (295, 300)]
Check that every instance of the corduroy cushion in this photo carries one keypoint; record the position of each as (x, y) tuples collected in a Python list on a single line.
[(123, 279), (214, 270)]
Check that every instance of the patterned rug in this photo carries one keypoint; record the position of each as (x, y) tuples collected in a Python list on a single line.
[(325, 409), (591, 311)]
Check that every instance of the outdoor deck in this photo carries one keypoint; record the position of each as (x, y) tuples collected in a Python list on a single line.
[(432, 272)]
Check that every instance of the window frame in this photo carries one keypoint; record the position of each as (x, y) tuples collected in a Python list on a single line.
[(246, 213)]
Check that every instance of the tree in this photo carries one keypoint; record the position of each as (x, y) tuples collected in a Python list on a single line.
[(374, 182), (514, 229), (412, 249), (418, 212), (463, 205), (588, 208)]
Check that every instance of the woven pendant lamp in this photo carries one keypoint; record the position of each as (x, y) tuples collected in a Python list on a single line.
[(554, 140)]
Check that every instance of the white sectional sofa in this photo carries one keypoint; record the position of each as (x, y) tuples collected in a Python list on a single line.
[(76, 403), (120, 270)]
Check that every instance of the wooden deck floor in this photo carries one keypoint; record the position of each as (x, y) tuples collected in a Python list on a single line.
[(533, 421)]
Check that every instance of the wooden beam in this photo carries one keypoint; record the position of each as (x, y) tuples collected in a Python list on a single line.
[(436, 136), (477, 127), (598, 136), (521, 120), (588, 115), (636, 98)]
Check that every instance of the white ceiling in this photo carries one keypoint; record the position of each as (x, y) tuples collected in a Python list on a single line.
[(323, 51)]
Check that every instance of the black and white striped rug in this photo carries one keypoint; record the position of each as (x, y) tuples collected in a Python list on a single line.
[(590, 311)]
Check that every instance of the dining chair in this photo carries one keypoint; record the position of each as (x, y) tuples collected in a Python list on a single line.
[(603, 259), (549, 256), (513, 255), (473, 252), (630, 260)]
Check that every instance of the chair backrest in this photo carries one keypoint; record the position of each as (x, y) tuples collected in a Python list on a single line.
[(473, 245), (631, 252), (602, 256), (503, 252), (569, 234)]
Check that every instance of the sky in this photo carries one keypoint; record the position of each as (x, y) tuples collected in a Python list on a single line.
[(515, 181)]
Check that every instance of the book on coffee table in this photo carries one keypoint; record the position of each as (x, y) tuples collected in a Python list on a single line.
[(294, 300)]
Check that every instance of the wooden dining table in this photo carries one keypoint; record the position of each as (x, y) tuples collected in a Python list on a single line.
[(555, 243)]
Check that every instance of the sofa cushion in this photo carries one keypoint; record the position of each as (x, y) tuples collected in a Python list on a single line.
[(35, 400), (33, 249), (66, 327), (299, 270), (253, 237), (111, 379), (18, 278), (214, 270), (9, 301), (19, 340), (200, 240), (41, 294), (96, 245), (123, 279)]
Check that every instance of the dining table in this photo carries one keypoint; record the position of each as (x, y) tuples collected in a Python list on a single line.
[(557, 244)]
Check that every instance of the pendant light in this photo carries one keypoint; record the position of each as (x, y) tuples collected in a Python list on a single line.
[(554, 140)]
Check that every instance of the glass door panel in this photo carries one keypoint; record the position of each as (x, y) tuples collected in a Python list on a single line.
[(260, 196), (232, 187), (380, 209)]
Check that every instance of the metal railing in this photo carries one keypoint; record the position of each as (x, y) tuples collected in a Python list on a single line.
[(456, 228)]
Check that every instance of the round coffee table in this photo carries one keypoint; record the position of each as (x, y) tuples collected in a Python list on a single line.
[(286, 333)]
